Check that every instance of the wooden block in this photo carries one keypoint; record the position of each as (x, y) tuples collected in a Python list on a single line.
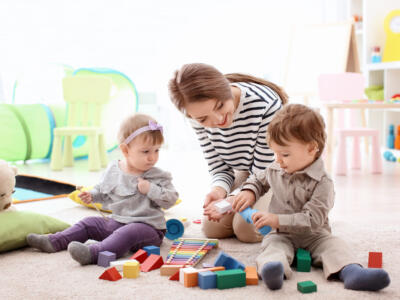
[(111, 274), (230, 278), (151, 263), (303, 259), (105, 257), (152, 250), (251, 275), (207, 280), (375, 260), (168, 270), (118, 264), (175, 276), (183, 271), (306, 287), (228, 261), (140, 255), (191, 278), (131, 269)]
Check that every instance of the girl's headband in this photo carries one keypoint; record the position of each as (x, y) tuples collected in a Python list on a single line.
[(152, 126)]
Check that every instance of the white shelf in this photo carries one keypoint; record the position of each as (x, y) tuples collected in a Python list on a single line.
[(393, 65)]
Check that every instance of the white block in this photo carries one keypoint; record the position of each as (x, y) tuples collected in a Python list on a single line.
[(223, 206), (118, 264), (182, 272)]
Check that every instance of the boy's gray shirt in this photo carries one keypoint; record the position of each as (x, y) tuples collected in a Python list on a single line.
[(118, 192), (301, 200)]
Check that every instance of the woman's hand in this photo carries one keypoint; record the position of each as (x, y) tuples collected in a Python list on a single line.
[(212, 212), (86, 197), (243, 200), (217, 193), (143, 185), (261, 219)]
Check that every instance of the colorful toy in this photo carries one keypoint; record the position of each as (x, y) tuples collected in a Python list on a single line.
[(303, 258), (389, 156), (228, 262), (391, 51), (140, 255), (105, 257), (111, 274), (306, 287), (390, 138), (7, 184), (118, 264), (375, 260), (190, 279), (251, 275), (175, 229), (230, 278), (207, 280), (187, 252), (152, 250), (397, 139), (153, 262), (131, 269)]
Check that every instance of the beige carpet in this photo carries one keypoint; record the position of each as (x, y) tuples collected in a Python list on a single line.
[(28, 274)]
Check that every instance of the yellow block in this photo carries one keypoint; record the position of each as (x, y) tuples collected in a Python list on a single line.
[(131, 269)]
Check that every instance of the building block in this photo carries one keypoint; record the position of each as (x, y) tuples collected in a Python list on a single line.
[(303, 259), (175, 276), (140, 256), (118, 264), (168, 270), (191, 279), (131, 269), (152, 250), (151, 263), (375, 260), (306, 287), (251, 275), (207, 265), (228, 262), (230, 278), (223, 206), (111, 274), (105, 257), (183, 271), (207, 280)]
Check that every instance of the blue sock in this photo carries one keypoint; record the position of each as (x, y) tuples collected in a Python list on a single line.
[(356, 277), (272, 275)]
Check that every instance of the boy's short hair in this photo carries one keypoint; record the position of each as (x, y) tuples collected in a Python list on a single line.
[(133, 123), (297, 121)]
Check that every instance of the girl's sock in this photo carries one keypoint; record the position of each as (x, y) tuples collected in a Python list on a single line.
[(356, 277), (80, 252), (272, 275), (41, 242)]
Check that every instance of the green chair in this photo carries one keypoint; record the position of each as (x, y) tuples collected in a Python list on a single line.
[(85, 97)]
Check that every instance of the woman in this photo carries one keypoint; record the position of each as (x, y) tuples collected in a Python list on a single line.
[(230, 114)]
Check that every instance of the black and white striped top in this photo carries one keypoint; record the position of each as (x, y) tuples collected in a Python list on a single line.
[(242, 146)]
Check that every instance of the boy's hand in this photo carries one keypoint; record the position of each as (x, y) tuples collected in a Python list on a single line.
[(212, 212), (217, 193), (143, 185), (262, 218), (86, 197), (243, 200)]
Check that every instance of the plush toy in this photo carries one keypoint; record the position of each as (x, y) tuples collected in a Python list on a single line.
[(7, 184)]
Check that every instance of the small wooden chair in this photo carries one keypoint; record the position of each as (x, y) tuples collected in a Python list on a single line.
[(85, 97)]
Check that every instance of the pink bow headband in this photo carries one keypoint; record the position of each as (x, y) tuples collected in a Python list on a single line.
[(152, 126)]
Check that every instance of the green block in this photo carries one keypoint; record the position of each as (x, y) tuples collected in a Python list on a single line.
[(306, 287), (231, 278), (303, 258)]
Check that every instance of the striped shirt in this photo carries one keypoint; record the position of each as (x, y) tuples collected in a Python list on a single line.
[(243, 145)]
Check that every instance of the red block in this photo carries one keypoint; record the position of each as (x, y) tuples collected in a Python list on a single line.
[(375, 260), (175, 276), (111, 274), (151, 263), (140, 255)]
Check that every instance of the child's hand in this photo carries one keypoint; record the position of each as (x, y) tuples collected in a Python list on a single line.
[(86, 197), (217, 193), (143, 185), (243, 200), (262, 218), (212, 212)]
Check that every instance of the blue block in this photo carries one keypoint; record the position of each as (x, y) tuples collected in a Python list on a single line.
[(207, 280), (152, 250), (247, 213), (228, 262), (105, 257)]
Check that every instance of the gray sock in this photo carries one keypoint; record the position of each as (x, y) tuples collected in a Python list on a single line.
[(80, 252), (356, 277), (41, 242), (272, 275)]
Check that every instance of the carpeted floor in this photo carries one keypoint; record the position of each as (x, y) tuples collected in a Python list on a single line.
[(28, 274)]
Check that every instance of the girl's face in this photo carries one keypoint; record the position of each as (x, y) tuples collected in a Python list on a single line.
[(214, 113), (295, 156), (140, 155)]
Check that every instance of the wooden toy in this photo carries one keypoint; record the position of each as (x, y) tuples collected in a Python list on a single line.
[(207, 280), (228, 262), (140, 255), (175, 276), (306, 287), (118, 264), (230, 278), (152, 250), (187, 252), (168, 270), (111, 274), (207, 265), (397, 139), (105, 257), (190, 279), (375, 260), (184, 271), (151, 263), (131, 269), (251, 275), (390, 137), (303, 258)]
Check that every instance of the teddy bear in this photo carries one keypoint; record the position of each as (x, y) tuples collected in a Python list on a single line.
[(7, 184)]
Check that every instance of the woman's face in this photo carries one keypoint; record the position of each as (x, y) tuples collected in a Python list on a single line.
[(213, 113)]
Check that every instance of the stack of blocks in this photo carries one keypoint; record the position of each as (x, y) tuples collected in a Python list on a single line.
[(303, 259)]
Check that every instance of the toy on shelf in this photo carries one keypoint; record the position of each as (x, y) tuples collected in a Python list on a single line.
[(390, 138), (389, 156), (376, 54), (392, 29), (397, 139)]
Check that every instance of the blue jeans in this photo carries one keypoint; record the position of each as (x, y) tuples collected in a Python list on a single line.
[(112, 236)]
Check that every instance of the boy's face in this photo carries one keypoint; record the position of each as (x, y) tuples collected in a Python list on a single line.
[(295, 156)]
